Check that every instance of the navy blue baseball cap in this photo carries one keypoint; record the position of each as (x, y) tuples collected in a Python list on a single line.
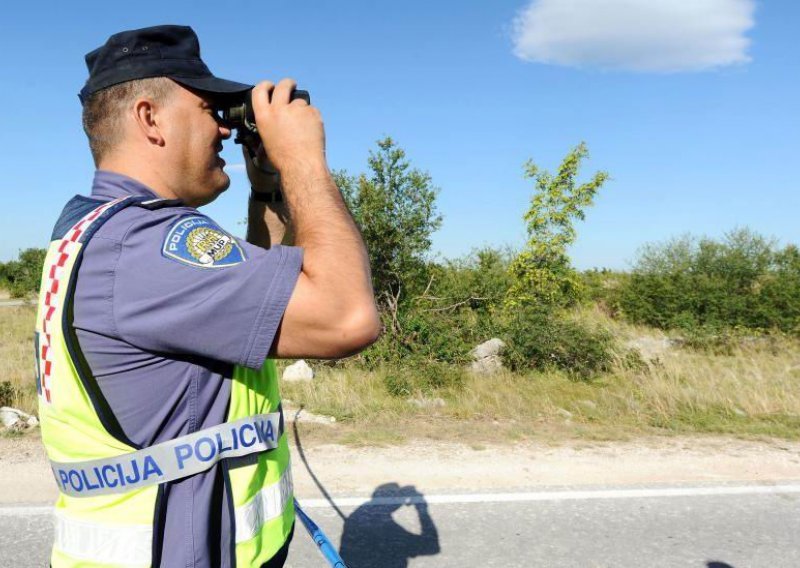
[(158, 51)]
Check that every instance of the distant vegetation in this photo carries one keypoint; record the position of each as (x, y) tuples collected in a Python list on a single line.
[(730, 307), (742, 281), (21, 277)]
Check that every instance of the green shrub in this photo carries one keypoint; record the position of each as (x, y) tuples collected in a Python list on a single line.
[(742, 281), (478, 281), (422, 335), (455, 312), (22, 276), (541, 341)]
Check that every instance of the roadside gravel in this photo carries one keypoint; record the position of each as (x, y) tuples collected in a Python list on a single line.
[(439, 467)]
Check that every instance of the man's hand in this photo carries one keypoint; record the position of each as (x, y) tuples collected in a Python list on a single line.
[(291, 132)]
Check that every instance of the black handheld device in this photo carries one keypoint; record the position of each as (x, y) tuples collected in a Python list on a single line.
[(238, 115)]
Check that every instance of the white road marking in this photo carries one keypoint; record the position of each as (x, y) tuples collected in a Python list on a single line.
[(572, 495)]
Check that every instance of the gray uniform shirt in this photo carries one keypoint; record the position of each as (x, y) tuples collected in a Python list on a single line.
[(161, 333)]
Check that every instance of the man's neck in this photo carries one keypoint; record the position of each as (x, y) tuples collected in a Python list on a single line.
[(147, 176)]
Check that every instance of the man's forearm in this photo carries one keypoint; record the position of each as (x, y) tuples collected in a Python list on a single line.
[(332, 311), (324, 227)]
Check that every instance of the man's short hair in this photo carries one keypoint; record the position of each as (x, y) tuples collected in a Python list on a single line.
[(104, 111)]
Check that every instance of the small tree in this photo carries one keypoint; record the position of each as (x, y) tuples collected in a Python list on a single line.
[(394, 205), (542, 273)]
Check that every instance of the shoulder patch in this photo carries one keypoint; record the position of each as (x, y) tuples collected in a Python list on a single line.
[(198, 241)]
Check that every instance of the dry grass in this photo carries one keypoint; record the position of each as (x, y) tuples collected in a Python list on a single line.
[(755, 391), (16, 355), (749, 394)]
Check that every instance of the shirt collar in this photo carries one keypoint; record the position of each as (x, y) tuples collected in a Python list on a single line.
[(111, 185)]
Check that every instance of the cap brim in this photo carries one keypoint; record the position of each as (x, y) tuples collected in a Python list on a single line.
[(213, 85)]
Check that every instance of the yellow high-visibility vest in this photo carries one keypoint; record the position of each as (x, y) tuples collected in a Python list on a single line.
[(109, 507)]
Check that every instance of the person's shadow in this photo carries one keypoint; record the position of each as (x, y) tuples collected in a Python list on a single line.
[(371, 537)]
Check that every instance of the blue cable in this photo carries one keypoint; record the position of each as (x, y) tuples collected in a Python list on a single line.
[(325, 545)]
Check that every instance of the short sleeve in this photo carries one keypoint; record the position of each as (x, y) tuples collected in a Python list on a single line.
[(184, 286)]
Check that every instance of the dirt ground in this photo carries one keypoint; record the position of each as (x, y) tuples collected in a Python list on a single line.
[(437, 467)]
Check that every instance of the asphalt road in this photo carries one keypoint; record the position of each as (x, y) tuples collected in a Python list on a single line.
[(710, 527)]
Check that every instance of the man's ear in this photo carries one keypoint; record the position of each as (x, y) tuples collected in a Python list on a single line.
[(148, 120)]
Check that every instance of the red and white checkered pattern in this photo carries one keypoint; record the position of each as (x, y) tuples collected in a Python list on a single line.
[(54, 279)]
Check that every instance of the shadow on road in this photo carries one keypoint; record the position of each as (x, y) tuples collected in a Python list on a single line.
[(715, 564), (372, 537)]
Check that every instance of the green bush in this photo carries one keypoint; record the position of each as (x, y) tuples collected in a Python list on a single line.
[(478, 282), (422, 336), (456, 311), (538, 340), (742, 281), (462, 307), (21, 277)]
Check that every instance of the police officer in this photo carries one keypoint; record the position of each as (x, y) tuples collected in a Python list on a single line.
[(157, 328)]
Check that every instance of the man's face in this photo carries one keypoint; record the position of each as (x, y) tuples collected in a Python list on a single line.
[(193, 139)]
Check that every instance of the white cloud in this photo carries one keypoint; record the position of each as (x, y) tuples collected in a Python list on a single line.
[(236, 168), (635, 35)]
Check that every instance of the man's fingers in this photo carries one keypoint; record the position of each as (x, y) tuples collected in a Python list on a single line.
[(261, 95), (283, 91)]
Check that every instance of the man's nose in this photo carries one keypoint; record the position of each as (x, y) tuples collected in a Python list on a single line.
[(224, 132)]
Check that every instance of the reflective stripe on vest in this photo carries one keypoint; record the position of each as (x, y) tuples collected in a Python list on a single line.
[(171, 460), (131, 545), (115, 545), (266, 505)]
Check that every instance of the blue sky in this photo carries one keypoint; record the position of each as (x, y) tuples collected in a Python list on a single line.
[(695, 115)]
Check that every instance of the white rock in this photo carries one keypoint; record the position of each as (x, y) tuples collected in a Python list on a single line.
[(13, 418), (486, 357), (299, 371), (489, 348), (8, 416)]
